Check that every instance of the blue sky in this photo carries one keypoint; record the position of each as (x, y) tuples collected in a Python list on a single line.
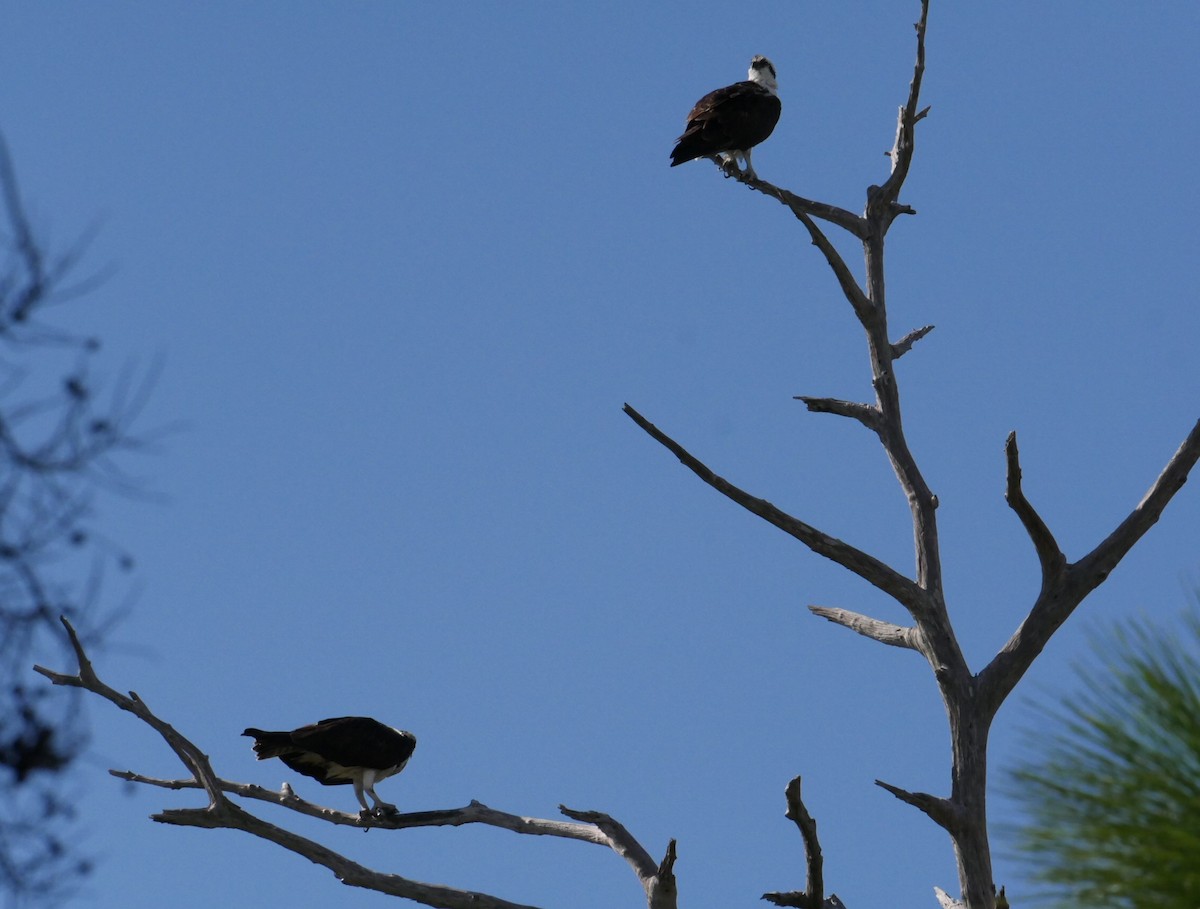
[(402, 265)]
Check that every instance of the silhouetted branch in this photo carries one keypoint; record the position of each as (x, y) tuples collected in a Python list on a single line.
[(657, 880)]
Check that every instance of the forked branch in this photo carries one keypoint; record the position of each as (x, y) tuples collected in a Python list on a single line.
[(1065, 586), (657, 880)]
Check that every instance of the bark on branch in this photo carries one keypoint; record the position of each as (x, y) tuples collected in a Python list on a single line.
[(904, 345), (813, 894), (884, 632), (658, 881), (1048, 552), (867, 414), (941, 811)]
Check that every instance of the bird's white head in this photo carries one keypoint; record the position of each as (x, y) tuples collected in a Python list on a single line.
[(762, 71)]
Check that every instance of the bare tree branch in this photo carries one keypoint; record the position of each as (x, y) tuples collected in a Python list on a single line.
[(1048, 552), (228, 816), (904, 345), (191, 756), (858, 298), (664, 893), (884, 632), (799, 206), (1090, 571), (946, 901), (621, 841), (865, 566), (658, 881), (474, 813), (1064, 590), (905, 145), (813, 895), (941, 811), (867, 414)]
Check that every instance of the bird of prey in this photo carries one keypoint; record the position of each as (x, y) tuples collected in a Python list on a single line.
[(725, 124), (343, 750)]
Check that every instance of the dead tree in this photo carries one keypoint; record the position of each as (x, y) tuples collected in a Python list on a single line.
[(971, 698)]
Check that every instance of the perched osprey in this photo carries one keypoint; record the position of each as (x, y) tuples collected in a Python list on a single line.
[(725, 124), (342, 750)]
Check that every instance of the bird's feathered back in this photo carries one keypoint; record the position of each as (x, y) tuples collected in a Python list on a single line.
[(734, 118), (334, 750)]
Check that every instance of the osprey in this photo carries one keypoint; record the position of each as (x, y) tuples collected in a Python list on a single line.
[(725, 124), (342, 750)]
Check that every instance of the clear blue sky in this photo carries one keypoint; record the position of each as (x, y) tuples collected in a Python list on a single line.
[(404, 263)]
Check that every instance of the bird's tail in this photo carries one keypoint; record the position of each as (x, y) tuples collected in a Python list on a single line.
[(269, 744), (682, 154)]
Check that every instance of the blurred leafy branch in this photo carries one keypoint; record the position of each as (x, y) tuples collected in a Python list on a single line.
[(1110, 786), (62, 435)]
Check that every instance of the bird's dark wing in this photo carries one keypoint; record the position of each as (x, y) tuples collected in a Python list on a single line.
[(736, 117), (355, 741)]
